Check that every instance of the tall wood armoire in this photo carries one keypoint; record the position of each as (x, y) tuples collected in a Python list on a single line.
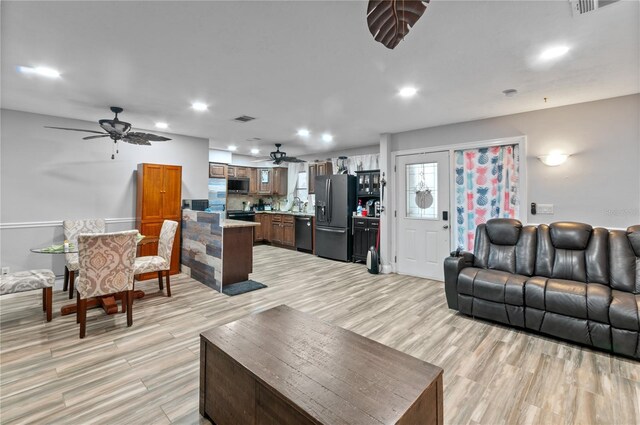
[(159, 198)]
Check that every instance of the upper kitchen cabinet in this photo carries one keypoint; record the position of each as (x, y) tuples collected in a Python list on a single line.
[(319, 168), (264, 181), (368, 183), (253, 181), (218, 171), (280, 180)]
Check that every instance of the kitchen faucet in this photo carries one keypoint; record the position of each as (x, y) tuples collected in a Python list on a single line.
[(298, 202)]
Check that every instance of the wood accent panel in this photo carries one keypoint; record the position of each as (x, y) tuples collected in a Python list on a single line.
[(237, 257), (218, 171), (158, 198), (303, 370)]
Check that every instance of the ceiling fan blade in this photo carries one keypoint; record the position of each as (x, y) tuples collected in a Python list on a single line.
[(148, 136), (135, 140), (292, 159), (95, 137), (75, 129)]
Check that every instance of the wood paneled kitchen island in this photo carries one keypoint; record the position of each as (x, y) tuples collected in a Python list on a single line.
[(216, 251)]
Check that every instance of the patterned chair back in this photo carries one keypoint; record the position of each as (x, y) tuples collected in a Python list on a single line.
[(72, 228), (106, 263), (165, 242)]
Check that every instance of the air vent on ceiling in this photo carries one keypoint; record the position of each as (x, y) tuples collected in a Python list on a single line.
[(244, 118), (579, 7)]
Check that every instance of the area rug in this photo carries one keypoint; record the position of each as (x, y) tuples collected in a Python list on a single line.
[(242, 287)]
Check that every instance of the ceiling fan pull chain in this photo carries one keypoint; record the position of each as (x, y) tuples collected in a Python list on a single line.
[(113, 148)]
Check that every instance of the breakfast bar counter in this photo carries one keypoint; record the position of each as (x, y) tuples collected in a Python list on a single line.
[(216, 251)]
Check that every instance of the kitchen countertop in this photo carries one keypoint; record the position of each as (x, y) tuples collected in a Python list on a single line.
[(229, 223), (301, 214), (366, 218)]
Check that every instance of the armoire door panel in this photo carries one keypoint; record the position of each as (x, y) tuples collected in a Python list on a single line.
[(152, 192), (172, 188)]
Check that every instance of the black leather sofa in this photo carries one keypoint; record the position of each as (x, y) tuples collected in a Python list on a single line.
[(568, 280)]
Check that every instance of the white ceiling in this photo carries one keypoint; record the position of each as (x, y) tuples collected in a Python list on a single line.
[(309, 64)]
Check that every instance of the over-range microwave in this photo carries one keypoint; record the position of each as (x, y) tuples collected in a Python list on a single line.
[(238, 185)]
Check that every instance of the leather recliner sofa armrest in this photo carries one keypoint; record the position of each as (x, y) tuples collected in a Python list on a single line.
[(452, 267)]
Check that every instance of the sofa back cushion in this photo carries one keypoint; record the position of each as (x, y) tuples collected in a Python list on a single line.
[(503, 244), (573, 251), (624, 259)]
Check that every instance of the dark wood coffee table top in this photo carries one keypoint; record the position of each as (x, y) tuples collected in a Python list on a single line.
[(331, 374)]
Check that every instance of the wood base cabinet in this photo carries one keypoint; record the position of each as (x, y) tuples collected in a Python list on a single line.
[(365, 235), (158, 198)]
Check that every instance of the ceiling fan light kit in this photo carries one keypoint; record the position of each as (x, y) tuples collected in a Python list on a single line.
[(119, 130)]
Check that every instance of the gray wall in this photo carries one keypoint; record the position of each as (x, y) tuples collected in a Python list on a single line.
[(599, 184), (50, 175)]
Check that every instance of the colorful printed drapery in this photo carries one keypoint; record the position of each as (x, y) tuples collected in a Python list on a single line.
[(487, 183)]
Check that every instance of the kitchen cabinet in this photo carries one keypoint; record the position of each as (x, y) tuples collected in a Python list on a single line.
[(218, 171), (288, 231), (258, 231), (253, 181), (368, 183), (281, 229), (264, 181), (280, 180), (158, 198), (276, 229), (318, 169), (365, 235), (231, 171), (242, 172)]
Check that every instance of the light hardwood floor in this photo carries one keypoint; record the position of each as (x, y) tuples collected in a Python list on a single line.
[(148, 374)]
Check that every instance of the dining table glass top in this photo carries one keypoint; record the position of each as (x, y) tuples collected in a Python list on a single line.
[(73, 249)]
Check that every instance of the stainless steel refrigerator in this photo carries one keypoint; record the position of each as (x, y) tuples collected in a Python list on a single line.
[(335, 203)]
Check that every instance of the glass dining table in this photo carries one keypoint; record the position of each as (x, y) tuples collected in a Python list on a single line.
[(107, 302)]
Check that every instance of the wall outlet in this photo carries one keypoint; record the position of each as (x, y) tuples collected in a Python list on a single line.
[(5, 270), (544, 208)]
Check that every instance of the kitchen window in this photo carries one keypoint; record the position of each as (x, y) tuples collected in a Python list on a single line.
[(301, 190)]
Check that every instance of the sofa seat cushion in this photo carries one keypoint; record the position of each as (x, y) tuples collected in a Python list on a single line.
[(623, 311), (492, 285), (566, 297)]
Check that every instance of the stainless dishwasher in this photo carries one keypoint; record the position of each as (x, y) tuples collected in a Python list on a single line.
[(304, 234)]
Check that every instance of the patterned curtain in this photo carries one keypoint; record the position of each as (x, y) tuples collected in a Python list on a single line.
[(487, 182)]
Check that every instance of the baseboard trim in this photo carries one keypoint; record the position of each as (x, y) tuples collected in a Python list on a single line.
[(56, 223)]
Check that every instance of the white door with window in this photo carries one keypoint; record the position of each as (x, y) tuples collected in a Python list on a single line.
[(422, 214)]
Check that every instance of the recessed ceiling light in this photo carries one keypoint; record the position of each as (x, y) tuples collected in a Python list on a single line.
[(40, 70), (327, 137), (162, 125), (554, 52), (303, 132), (232, 148), (199, 106), (255, 151), (408, 91)]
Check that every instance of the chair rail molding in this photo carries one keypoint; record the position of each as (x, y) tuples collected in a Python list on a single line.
[(56, 223)]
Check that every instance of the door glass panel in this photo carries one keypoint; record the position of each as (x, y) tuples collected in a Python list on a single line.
[(422, 191)]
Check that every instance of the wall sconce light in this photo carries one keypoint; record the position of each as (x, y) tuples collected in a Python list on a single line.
[(553, 159)]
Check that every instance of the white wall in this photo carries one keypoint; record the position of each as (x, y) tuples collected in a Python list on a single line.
[(50, 175), (363, 150), (600, 182)]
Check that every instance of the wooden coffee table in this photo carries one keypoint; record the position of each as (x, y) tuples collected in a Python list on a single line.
[(283, 366)]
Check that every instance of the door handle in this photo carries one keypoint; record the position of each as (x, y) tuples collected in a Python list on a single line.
[(446, 226)]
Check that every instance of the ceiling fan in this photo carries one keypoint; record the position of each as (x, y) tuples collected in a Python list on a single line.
[(279, 157), (119, 130)]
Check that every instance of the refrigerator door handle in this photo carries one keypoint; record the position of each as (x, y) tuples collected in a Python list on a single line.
[(330, 230), (330, 200)]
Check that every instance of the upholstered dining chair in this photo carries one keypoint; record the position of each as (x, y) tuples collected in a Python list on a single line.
[(72, 228), (106, 268), (161, 262)]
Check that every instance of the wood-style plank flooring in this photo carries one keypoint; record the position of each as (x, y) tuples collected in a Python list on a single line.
[(148, 374)]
